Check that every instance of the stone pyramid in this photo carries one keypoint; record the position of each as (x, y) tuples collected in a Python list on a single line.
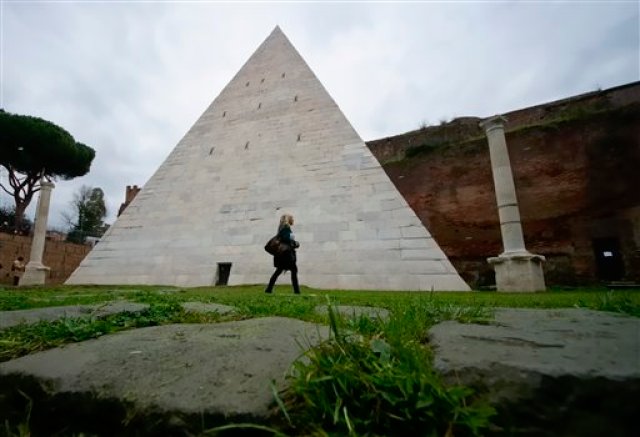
[(273, 141)]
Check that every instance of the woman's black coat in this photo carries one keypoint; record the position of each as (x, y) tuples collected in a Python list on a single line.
[(286, 260)]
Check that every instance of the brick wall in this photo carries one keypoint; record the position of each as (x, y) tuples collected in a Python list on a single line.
[(466, 128), (575, 165), (62, 257)]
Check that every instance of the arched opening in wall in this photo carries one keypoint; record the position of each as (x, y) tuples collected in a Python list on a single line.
[(609, 262), (222, 273)]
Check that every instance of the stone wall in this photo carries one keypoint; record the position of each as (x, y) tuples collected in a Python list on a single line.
[(62, 257), (575, 167)]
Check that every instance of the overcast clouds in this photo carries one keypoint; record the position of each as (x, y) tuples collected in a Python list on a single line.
[(130, 78)]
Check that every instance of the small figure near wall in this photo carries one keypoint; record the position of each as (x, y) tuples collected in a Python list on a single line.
[(18, 269)]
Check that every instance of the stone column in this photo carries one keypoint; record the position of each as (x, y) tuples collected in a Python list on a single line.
[(516, 269), (35, 272)]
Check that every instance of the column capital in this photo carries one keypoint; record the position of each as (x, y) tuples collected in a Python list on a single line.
[(47, 185), (491, 123)]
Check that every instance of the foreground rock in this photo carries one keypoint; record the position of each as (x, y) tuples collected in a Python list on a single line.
[(201, 307), (564, 372), (13, 318), (354, 312), (166, 377)]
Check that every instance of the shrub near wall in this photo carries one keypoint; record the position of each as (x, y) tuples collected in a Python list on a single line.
[(62, 257)]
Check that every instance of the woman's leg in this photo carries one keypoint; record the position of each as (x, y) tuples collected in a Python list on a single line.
[(294, 279), (272, 281)]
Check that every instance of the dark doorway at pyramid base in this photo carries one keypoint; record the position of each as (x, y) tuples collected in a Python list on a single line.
[(222, 275)]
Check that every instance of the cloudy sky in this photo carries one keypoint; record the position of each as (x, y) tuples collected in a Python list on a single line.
[(129, 78)]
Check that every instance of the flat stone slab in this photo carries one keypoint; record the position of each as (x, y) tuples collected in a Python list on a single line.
[(12, 318), (550, 342), (549, 369), (204, 370), (355, 311), (201, 307)]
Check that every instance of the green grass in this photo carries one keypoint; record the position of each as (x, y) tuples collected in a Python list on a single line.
[(39, 297), (413, 312), (24, 339), (372, 377)]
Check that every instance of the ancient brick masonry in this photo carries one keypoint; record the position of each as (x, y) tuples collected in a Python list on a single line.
[(129, 195), (575, 167), (60, 256)]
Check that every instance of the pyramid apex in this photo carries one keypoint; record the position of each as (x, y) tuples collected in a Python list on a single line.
[(277, 32)]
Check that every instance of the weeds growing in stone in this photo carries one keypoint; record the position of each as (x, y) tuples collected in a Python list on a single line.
[(374, 377)]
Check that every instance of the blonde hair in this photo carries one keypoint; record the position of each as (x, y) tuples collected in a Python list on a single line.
[(285, 219)]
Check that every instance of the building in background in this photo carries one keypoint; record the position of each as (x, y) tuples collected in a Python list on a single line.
[(129, 194)]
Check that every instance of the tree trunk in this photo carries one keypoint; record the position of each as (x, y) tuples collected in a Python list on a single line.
[(19, 217), (23, 191)]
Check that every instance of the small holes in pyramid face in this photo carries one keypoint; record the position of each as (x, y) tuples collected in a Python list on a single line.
[(259, 105), (211, 150), (224, 114), (246, 146), (246, 84), (262, 81), (283, 74), (295, 99), (299, 137)]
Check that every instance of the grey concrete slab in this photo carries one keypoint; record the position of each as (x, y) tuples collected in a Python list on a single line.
[(12, 318)]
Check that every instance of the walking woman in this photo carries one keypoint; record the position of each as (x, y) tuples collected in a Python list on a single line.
[(287, 259)]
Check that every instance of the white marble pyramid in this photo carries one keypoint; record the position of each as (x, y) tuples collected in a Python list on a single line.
[(273, 141)]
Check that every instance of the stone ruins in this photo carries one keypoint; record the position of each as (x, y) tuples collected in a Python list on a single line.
[(516, 268), (273, 141)]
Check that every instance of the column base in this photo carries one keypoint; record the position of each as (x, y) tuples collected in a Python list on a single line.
[(34, 274), (518, 272)]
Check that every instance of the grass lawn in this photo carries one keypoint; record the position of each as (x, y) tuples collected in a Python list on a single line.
[(373, 377), (252, 297)]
